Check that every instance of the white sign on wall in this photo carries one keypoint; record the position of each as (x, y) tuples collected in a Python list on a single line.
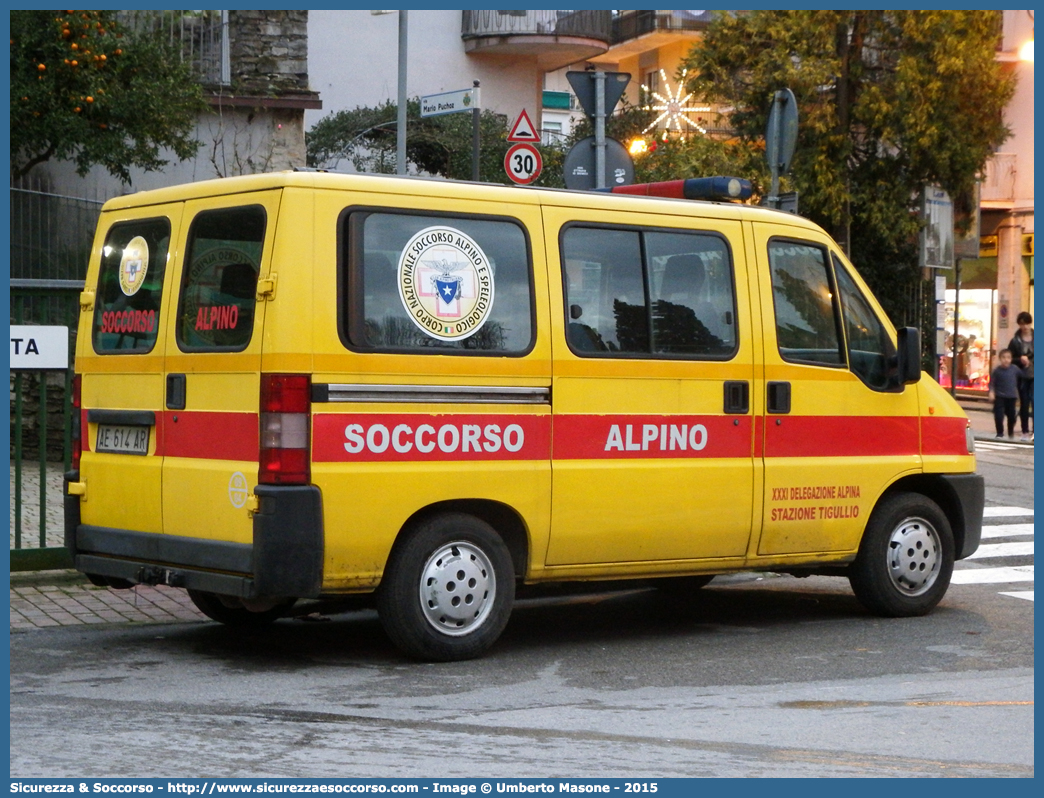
[(36, 347)]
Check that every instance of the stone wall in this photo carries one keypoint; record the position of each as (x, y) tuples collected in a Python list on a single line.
[(269, 52)]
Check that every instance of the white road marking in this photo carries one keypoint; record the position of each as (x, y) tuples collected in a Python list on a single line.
[(1019, 548), (1022, 594), (997, 446), (993, 576), (1007, 531), (1002, 512)]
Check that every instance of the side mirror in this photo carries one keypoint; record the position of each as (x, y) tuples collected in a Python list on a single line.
[(908, 346)]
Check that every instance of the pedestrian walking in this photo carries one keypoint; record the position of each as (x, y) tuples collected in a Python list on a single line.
[(1021, 347), (1004, 392)]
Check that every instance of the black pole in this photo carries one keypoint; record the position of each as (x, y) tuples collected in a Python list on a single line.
[(956, 323), (476, 114)]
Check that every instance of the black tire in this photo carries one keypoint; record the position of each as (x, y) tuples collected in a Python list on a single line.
[(683, 588), (230, 611), (905, 559), (447, 590)]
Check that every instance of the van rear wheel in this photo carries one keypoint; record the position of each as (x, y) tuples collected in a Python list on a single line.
[(448, 589), (905, 560), (230, 611)]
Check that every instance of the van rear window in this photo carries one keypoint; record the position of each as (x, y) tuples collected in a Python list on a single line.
[(130, 287), (435, 283), (219, 280)]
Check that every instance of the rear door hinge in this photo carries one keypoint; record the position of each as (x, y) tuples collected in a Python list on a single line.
[(86, 300), (266, 287)]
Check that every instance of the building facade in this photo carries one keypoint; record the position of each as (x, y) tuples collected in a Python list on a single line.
[(254, 69), (354, 55)]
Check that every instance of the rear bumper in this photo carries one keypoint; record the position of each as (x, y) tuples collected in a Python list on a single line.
[(284, 559)]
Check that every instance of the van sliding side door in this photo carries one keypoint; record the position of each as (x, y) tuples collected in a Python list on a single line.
[(653, 364)]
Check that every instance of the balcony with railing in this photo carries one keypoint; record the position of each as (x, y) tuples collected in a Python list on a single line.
[(554, 38), (200, 36), (634, 32)]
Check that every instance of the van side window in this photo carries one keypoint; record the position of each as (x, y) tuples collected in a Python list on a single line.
[(648, 292), (435, 283), (130, 287), (807, 319), (219, 279), (870, 350)]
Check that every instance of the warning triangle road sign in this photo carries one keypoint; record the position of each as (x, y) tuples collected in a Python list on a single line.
[(523, 129)]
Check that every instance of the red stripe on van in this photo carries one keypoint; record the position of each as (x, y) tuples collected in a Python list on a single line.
[(944, 435), (421, 437), (841, 436), (208, 435), (583, 437)]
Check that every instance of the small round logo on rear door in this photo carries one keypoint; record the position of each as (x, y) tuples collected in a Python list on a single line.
[(134, 265), (237, 490)]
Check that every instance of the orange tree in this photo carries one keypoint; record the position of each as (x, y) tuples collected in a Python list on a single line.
[(88, 90)]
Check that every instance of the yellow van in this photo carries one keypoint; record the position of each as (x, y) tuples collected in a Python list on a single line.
[(305, 385)]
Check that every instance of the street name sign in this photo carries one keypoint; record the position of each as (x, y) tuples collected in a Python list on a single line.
[(450, 102), (39, 348)]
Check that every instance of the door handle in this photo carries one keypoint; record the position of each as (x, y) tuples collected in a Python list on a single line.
[(175, 391), (737, 396), (779, 397)]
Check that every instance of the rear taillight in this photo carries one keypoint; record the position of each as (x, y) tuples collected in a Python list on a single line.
[(77, 432), (285, 406)]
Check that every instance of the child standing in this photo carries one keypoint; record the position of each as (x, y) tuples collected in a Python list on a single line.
[(1004, 391)]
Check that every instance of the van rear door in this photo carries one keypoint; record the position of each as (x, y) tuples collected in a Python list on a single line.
[(120, 360), (212, 370)]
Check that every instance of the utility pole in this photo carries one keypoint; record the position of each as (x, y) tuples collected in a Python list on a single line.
[(599, 121), (476, 118), (400, 133)]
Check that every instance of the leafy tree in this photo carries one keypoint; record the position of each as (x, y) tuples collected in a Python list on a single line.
[(438, 145), (889, 101), (85, 88)]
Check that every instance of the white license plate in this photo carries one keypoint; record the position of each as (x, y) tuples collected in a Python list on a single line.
[(122, 439)]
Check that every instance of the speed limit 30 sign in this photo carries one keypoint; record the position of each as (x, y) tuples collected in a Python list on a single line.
[(522, 163)]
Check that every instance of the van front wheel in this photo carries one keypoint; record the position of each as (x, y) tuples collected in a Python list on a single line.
[(448, 589), (905, 559)]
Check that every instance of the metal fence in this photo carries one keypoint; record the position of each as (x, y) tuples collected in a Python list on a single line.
[(41, 430), (50, 238), (51, 235), (202, 37)]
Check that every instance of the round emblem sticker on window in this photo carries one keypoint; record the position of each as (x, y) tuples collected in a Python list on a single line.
[(134, 265), (446, 283)]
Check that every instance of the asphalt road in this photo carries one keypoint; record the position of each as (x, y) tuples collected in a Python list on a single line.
[(763, 676)]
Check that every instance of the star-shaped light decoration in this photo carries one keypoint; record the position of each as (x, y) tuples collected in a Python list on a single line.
[(674, 108)]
